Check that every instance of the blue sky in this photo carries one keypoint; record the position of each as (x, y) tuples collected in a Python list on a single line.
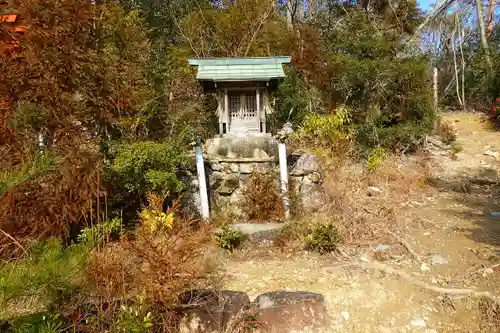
[(426, 4)]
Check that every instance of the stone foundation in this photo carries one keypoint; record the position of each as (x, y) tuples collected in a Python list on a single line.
[(229, 163)]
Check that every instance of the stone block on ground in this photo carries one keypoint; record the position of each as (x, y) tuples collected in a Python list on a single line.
[(259, 233), (312, 197), (286, 312), (205, 311)]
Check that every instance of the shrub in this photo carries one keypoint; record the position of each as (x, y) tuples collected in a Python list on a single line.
[(133, 319), (325, 129), (153, 218), (375, 157), (291, 101), (229, 238), (44, 322), (261, 199), (26, 172), (322, 238), (447, 132), (155, 266), (145, 166), (99, 233), (290, 235), (48, 272), (402, 137)]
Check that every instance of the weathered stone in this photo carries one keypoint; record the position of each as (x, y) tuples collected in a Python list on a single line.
[(259, 233), (237, 196), (215, 179), (284, 311), (315, 177), (439, 260), (194, 182), (374, 191), (191, 202), (205, 311), (247, 168), (228, 185), (234, 167), (305, 165), (222, 201), (242, 147), (260, 153), (296, 183), (215, 166), (312, 197)]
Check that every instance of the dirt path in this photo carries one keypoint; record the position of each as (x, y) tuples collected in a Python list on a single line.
[(452, 225)]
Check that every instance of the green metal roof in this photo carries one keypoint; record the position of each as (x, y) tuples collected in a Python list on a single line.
[(240, 69)]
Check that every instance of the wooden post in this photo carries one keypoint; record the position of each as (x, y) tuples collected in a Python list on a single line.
[(435, 86), (257, 102), (284, 178), (264, 130), (220, 109), (226, 111), (202, 182)]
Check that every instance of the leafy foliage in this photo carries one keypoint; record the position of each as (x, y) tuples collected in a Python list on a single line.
[(149, 166), (375, 157), (153, 218), (44, 322), (230, 238), (28, 171), (48, 272), (323, 238), (290, 102), (99, 233), (325, 129), (133, 319)]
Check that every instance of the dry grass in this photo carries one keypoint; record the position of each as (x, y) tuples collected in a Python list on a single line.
[(446, 131), (362, 215), (154, 267), (262, 201)]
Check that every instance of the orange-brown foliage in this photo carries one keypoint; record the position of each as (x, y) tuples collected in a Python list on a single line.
[(38, 85), (158, 266)]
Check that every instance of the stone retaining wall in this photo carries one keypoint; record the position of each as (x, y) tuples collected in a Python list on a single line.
[(229, 163)]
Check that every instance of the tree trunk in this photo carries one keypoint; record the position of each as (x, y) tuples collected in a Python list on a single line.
[(457, 82), (301, 10), (290, 10), (491, 10), (461, 36), (482, 30), (310, 7)]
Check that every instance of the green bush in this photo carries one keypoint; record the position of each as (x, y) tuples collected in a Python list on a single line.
[(322, 238), (133, 319), (406, 136), (27, 172), (145, 166), (291, 102), (99, 232), (48, 272), (44, 322), (229, 238), (375, 157), (326, 128)]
